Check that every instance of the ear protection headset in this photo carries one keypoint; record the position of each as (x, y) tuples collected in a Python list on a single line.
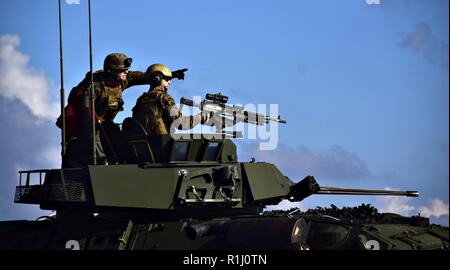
[(156, 78)]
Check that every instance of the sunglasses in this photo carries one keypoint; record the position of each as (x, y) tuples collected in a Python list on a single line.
[(167, 78)]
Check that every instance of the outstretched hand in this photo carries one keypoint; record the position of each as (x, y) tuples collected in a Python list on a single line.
[(179, 74)]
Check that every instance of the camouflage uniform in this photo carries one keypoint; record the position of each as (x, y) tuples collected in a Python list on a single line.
[(108, 102), (156, 111), (108, 98)]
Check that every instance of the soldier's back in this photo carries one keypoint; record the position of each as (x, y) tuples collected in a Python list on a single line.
[(152, 110)]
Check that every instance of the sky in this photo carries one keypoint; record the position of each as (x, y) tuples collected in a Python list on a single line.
[(364, 87)]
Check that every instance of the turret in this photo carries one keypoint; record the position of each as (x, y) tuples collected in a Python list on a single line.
[(172, 177)]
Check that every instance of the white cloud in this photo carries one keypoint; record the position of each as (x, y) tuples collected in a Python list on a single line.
[(435, 208), (400, 205), (21, 82), (50, 157), (333, 163)]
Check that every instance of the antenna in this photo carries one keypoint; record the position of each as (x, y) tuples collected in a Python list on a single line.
[(91, 92), (62, 94)]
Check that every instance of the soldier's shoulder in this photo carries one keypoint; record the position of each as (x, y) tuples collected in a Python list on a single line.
[(146, 96), (98, 75), (166, 99), (154, 97)]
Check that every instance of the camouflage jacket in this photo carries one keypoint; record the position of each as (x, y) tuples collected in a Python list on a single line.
[(108, 98), (156, 111)]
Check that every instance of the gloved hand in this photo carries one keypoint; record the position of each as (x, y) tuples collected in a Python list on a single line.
[(179, 74)]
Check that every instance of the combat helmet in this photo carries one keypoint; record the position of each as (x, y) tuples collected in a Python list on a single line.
[(116, 61), (157, 71)]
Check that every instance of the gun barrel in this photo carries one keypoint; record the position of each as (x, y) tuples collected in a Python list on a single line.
[(279, 120), (260, 119), (309, 186), (216, 103), (353, 191)]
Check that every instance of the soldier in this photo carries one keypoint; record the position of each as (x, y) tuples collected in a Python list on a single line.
[(156, 109), (109, 85)]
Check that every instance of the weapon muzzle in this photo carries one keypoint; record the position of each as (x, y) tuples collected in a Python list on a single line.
[(412, 193), (303, 189)]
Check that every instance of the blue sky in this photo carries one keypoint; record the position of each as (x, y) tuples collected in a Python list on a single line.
[(364, 88)]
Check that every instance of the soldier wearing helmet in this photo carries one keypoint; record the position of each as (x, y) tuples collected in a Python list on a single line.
[(156, 109), (109, 85)]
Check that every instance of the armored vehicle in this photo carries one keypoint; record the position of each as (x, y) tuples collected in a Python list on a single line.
[(166, 192)]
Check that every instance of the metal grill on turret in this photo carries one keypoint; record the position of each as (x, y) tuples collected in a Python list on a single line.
[(38, 193)]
